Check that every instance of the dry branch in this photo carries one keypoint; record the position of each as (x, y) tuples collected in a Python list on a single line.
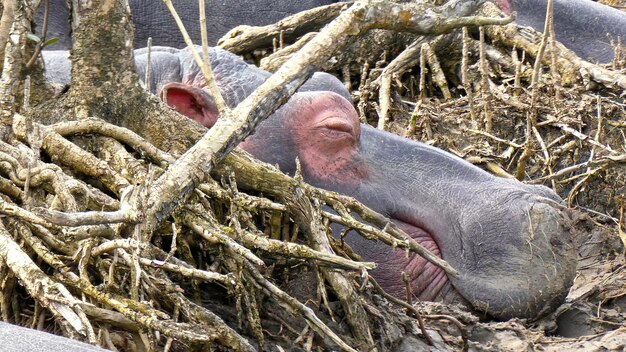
[(86, 163), (295, 307), (570, 67), (287, 249), (52, 295), (130, 138), (265, 178), (307, 214), (245, 38), (249, 240)]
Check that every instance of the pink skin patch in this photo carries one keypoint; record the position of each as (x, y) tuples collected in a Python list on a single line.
[(426, 279), (505, 6), (326, 132), (191, 102)]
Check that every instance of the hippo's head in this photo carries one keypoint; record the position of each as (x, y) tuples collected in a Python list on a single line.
[(509, 241)]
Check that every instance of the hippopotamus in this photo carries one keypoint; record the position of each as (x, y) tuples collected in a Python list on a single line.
[(588, 28), (583, 26), (509, 241), (18, 339), (153, 19)]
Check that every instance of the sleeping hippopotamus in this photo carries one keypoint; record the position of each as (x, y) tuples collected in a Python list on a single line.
[(584, 26), (588, 28), (153, 19), (509, 241)]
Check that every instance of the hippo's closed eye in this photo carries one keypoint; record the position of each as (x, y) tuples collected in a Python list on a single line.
[(324, 115), (338, 124), (326, 132)]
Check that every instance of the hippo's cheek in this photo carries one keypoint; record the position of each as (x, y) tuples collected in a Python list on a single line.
[(329, 153), (326, 136)]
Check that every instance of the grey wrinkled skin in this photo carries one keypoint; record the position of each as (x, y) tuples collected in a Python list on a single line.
[(58, 66), (509, 241), (153, 19), (586, 27), (177, 65), (18, 339), (583, 26), (58, 24)]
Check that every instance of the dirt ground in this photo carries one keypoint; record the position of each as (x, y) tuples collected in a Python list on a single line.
[(591, 319)]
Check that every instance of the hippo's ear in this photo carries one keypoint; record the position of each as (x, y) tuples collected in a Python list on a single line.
[(190, 101)]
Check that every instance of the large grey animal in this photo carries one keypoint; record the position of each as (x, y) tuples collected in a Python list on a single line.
[(509, 241), (19, 339), (588, 28), (153, 19)]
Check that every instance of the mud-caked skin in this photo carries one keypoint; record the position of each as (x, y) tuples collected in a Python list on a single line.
[(153, 19), (588, 28), (509, 241)]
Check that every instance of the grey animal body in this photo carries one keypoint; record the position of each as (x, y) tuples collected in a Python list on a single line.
[(153, 19), (18, 339), (588, 28)]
